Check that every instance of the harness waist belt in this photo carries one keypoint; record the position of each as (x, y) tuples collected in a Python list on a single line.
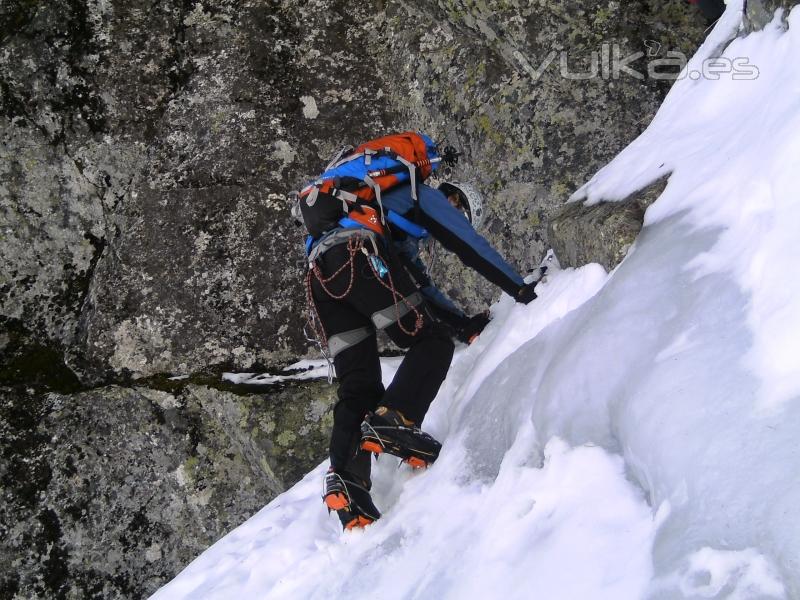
[(395, 312), (340, 236), (382, 319)]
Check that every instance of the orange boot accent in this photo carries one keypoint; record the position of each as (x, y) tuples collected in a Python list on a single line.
[(372, 447), (382, 410), (358, 523), (416, 463), (336, 501)]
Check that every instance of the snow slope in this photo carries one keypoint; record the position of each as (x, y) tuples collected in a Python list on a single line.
[(625, 436)]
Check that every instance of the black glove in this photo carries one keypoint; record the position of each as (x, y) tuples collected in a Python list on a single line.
[(526, 295), (473, 327)]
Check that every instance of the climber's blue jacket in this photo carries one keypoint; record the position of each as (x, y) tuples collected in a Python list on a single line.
[(408, 249), (453, 230)]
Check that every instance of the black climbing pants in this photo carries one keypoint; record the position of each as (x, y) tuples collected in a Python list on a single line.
[(712, 9), (358, 368)]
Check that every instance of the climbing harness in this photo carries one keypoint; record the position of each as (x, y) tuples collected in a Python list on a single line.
[(357, 241)]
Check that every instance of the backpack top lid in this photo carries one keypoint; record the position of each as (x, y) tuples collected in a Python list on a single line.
[(384, 161), (350, 184)]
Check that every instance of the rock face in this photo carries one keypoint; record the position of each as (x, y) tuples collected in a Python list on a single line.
[(111, 492), (602, 233), (205, 270), (529, 93), (145, 154), (761, 12), (149, 149)]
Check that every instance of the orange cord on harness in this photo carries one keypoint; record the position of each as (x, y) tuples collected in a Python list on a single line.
[(397, 297), (354, 245)]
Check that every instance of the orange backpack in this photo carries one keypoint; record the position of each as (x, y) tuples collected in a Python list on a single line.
[(352, 184)]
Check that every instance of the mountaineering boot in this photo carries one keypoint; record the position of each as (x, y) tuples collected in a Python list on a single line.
[(387, 430), (351, 500)]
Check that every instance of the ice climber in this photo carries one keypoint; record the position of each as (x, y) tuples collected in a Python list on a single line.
[(365, 216)]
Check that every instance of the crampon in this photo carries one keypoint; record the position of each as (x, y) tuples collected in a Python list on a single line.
[(390, 433), (350, 500)]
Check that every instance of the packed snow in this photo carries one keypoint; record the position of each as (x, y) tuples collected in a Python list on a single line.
[(304, 370), (626, 435), (299, 371)]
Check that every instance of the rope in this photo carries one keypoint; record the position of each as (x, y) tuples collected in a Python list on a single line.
[(354, 245), (398, 297)]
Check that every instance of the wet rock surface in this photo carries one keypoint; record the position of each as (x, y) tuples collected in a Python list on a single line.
[(145, 154)]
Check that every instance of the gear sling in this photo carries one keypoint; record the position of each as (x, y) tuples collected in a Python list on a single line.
[(343, 206)]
